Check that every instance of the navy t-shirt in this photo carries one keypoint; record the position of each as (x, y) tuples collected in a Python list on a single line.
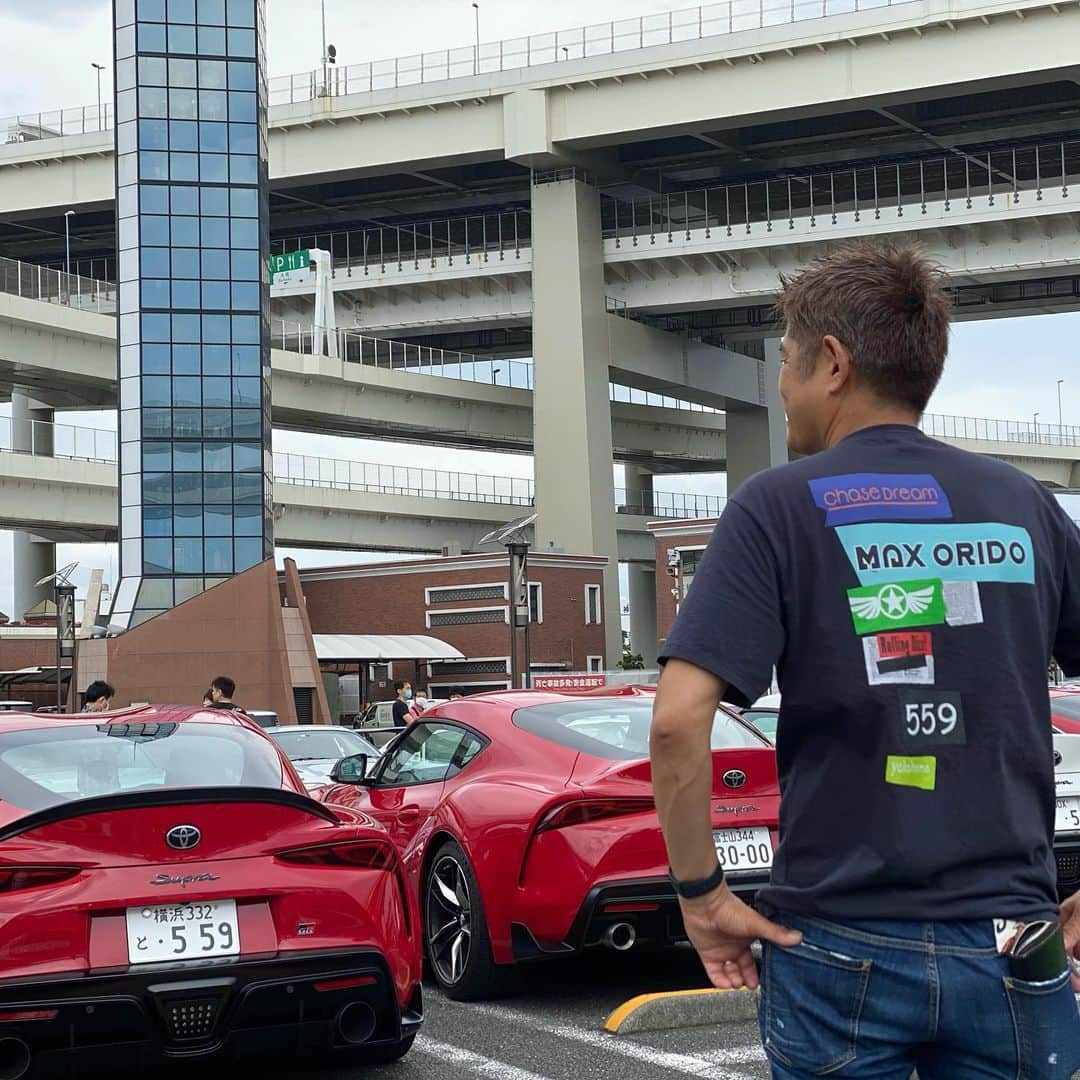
[(910, 596)]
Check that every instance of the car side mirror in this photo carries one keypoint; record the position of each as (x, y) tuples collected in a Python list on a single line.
[(350, 770)]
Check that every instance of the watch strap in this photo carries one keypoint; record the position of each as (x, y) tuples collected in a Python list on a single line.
[(691, 890)]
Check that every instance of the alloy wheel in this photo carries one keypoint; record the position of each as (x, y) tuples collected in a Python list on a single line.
[(449, 920)]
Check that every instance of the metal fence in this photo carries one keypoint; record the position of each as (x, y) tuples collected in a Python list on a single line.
[(537, 50), (559, 47), (55, 287), (956, 181), (45, 439), (471, 238), (1006, 431)]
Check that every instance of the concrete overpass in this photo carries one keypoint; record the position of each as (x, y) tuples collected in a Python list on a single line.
[(318, 502)]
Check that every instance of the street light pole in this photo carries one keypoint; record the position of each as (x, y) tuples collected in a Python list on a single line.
[(476, 47), (1061, 426), (99, 68), (1036, 427), (67, 240)]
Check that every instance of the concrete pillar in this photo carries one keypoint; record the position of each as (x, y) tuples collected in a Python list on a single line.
[(575, 496), (756, 436), (31, 558), (643, 637), (639, 489)]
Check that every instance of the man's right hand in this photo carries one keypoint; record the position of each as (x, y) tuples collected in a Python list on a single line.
[(1070, 924)]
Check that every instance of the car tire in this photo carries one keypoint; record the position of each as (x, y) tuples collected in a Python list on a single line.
[(456, 940)]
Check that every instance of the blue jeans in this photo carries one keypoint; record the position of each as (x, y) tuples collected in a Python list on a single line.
[(877, 999)]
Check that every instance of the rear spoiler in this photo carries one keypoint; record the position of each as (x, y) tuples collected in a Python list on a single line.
[(134, 800)]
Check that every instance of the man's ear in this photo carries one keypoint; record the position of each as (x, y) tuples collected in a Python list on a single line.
[(837, 358)]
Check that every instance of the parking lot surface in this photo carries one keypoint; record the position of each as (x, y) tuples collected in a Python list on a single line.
[(552, 1029)]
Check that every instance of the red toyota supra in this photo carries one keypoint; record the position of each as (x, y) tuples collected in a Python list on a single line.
[(528, 829), (168, 890)]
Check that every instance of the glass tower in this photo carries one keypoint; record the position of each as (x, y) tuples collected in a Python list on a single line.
[(194, 344)]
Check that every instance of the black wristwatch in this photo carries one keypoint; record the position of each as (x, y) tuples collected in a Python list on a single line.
[(691, 890)]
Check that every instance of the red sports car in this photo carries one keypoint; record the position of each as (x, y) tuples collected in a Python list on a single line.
[(168, 890), (528, 829), (1065, 710)]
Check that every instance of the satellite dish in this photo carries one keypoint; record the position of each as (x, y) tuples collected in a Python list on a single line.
[(60, 577), (506, 533)]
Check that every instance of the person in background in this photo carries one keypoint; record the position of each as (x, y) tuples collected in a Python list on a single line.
[(403, 699), (208, 699), (222, 691), (456, 692), (99, 695)]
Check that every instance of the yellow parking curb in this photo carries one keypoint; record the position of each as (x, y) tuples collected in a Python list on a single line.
[(682, 1008)]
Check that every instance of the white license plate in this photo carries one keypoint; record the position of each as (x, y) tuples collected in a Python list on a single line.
[(171, 932), (743, 849), (1067, 816)]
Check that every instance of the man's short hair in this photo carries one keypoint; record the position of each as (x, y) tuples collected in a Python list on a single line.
[(226, 685), (885, 302), (400, 685), (97, 690)]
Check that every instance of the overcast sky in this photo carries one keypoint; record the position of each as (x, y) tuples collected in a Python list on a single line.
[(1003, 368)]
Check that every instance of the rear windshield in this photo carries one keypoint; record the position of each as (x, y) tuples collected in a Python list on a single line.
[(49, 766), (316, 745), (1068, 705), (618, 729)]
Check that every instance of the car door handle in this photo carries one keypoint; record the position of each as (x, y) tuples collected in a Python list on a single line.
[(408, 815)]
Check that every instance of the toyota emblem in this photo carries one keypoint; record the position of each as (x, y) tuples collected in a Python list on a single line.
[(183, 837), (734, 778)]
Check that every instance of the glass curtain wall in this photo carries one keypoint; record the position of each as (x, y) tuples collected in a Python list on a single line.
[(194, 344)]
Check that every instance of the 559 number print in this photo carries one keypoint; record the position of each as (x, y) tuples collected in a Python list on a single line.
[(931, 718)]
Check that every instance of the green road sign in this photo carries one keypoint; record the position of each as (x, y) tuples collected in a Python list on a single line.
[(290, 261), (896, 604)]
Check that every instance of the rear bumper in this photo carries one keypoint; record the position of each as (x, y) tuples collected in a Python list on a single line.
[(282, 1005), (648, 904)]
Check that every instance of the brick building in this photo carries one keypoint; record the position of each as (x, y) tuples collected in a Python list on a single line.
[(463, 600), (679, 547)]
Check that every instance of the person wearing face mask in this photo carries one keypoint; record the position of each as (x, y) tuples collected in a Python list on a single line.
[(404, 696)]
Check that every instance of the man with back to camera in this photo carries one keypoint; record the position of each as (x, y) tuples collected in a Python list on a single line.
[(98, 697), (222, 692), (909, 595), (403, 696)]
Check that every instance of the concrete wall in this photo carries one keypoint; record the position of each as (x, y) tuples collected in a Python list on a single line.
[(233, 629)]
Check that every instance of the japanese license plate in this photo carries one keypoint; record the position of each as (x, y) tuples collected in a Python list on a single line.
[(743, 849), (1067, 816), (158, 935)]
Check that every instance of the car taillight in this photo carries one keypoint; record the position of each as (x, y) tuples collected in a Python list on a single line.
[(584, 811), (13, 878), (362, 854)]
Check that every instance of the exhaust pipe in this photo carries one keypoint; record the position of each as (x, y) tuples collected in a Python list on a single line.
[(14, 1059), (619, 936), (355, 1024)]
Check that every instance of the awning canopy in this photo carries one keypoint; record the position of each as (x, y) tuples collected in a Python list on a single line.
[(377, 647), (26, 675)]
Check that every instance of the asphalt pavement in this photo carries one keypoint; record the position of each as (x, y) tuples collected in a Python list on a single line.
[(551, 1028)]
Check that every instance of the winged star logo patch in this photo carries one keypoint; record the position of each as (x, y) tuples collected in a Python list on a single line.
[(896, 604)]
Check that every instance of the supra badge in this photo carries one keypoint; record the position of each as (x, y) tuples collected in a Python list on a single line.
[(734, 778), (183, 837)]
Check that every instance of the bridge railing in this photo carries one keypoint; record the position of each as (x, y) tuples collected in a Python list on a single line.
[(1006, 431), (55, 287), (953, 181), (559, 47), (358, 348), (41, 438), (491, 57)]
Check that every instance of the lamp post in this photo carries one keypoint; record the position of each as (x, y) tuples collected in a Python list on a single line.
[(1061, 426), (494, 372), (99, 68), (476, 47), (1036, 422), (68, 214), (514, 538)]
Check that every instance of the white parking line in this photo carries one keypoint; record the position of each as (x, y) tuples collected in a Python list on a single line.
[(687, 1064), (477, 1063)]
